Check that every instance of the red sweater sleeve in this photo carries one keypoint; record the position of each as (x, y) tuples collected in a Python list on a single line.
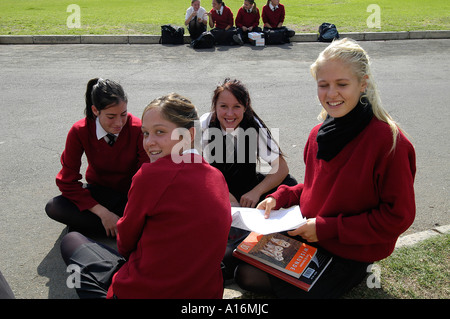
[(68, 179), (264, 16), (239, 22), (228, 16)]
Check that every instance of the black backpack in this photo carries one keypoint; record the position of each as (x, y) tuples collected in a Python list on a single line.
[(327, 32), (275, 36), (205, 41), (171, 34)]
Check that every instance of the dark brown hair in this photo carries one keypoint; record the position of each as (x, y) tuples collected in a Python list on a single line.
[(103, 94)]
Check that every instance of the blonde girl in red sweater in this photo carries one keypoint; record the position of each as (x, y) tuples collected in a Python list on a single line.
[(358, 192)]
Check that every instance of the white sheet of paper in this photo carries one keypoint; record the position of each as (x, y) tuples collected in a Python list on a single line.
[(280, 220)]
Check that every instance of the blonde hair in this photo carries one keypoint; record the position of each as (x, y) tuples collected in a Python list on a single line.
[(348, 51), (176, 109)]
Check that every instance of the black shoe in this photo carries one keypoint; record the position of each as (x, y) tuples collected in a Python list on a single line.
[(237, 38)]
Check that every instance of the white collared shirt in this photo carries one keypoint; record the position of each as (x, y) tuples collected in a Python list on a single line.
[(273, 7), (100, 131), (191, 151), (220, 12), (201, 13)]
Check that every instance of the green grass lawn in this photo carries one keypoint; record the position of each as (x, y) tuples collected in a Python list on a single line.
[(19, 17)]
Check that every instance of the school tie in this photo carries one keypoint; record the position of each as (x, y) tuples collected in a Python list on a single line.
[(111, 138)]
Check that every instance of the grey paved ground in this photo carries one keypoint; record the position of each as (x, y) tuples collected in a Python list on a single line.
[(42, 90)]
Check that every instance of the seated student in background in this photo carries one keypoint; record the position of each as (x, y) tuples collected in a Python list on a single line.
[(172, 236), (196, 19), (358, 192), (235, 138), (273, 15), (111, 139), (247, 20), (221, 21)]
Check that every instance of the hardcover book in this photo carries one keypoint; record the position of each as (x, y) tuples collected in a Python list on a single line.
[(294, 261)]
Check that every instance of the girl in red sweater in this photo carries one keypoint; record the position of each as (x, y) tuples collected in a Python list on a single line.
[(172, 236), (358, 194), (247, 20), (221, 22), (111, 139), (273, 15)]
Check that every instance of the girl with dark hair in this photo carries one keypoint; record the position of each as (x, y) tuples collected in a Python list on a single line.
[(247, 20), (111, 139), (232, 109), (234, 139)]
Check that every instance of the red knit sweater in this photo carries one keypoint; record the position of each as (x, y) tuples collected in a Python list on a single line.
[(108, 166), (273, 17), (174, 232), (224, 20), (245, 19), (362, 199)]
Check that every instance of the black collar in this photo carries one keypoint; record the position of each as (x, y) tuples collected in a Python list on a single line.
[(336, 133)]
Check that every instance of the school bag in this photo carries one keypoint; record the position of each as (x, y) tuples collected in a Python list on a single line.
[(275, 36), (205, 41), (327, 32), (171, 34)]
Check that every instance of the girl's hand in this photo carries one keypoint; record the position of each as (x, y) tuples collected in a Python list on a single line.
[(108, 218), (267, 205), (109, 221), (306, 231), (233, 201), (250, 199)]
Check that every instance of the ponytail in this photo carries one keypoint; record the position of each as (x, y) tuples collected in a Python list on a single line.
[(88, 111), (102, 94)]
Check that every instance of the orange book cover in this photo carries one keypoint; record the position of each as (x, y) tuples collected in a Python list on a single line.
[(289, 259)]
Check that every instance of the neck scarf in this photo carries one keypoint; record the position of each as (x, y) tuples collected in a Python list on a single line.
[(336, 133)]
